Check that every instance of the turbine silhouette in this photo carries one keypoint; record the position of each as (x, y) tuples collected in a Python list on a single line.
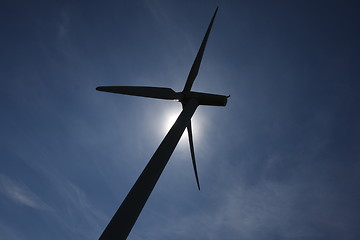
[(125, 217)]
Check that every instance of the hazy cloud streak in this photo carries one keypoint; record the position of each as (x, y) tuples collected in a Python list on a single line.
[(21, 193)]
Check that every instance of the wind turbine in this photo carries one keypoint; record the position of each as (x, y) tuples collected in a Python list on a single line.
[(125, 217)]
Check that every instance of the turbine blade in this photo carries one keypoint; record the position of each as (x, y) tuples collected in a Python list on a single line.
[(196, 65), (193, 153), (152, 92)]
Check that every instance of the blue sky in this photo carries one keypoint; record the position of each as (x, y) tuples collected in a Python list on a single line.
[(280, 161)]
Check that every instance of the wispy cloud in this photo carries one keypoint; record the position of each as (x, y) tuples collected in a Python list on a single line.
[(79, 207), (21, 193), (74, 212), (158, 11), (63, 27)]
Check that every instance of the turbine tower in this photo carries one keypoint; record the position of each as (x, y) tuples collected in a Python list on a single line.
[(125, 217)]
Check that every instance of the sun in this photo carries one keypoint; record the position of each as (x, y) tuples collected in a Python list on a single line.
[(169, 120)]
